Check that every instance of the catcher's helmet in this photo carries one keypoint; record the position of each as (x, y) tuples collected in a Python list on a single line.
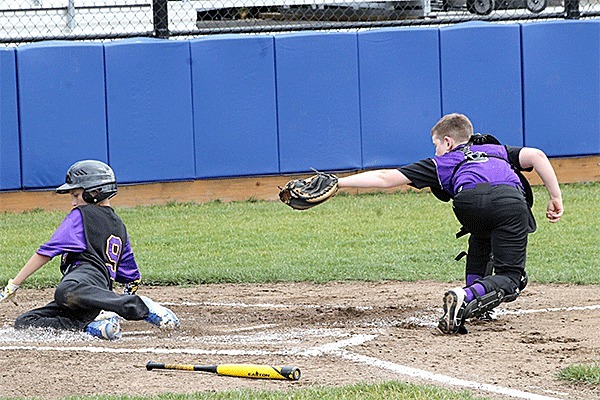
[(95, 178)]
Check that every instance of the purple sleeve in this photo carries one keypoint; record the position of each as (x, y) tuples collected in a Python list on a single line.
[(68, 237), (128, 270)]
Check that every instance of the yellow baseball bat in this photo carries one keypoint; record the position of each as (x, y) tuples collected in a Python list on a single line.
[(255, 371)]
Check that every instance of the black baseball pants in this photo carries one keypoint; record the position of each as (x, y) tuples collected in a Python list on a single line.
[(499, 221), (80, 296)]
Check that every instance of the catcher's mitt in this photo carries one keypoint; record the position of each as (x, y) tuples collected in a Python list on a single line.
[(301, 194)]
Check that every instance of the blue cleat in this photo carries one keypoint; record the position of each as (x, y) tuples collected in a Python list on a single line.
[(160, 316), (109, 328)]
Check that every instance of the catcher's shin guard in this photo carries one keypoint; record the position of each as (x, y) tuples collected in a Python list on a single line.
[(480, 305), (498, 296)]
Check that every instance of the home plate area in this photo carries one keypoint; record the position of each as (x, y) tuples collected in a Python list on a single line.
[(335, 333)]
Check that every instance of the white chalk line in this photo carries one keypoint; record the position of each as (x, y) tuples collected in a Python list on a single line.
[(545, 310), (263, 336), (251, 328), (500, 311), (430, 376), (337, 348), (334, 348), (313, 351), (269, 337), (150, 350), (263, 305)]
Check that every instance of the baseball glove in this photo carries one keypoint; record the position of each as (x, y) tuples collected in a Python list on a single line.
[(301, 194)]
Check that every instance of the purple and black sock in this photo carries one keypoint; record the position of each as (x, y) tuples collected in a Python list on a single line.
[(471, 278), (477, 287)]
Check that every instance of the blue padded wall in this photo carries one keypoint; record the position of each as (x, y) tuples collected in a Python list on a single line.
[(10, 159), (61, 107), (235, 109), (399, 94), (481, 77), (561, 75), (318, 101), (149, 103)]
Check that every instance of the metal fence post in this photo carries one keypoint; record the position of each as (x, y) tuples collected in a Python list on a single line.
[(160, 13), (71, 15), (572, 9)]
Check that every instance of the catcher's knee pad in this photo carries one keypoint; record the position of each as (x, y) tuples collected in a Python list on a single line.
[(522, 283)]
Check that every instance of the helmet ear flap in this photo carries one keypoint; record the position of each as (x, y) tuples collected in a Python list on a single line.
[(98, 194), (88, 197)]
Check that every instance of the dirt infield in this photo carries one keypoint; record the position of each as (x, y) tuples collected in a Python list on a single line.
[(337, 334)]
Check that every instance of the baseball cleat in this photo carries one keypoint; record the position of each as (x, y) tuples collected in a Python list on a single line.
[(107, 315), (454, 302), (109, 328), (160, 316)]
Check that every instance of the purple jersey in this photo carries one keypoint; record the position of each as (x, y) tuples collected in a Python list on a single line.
[(435, 173), (486, 163), (69, 237)]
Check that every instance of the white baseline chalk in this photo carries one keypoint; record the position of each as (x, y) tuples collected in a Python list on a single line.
[(366, 308), (333, 349), (419, 373)]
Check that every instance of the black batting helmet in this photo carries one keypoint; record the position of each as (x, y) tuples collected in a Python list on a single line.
[(95, 178)]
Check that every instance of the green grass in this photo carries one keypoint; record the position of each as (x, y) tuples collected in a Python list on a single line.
[(370, 237), (404, 236), (388, 390), (589, 374)]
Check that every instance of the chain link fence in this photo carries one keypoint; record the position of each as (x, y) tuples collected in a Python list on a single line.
[(24, 21)]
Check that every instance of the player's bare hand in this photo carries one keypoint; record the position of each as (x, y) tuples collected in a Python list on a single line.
[(9, 292), (554, 210)]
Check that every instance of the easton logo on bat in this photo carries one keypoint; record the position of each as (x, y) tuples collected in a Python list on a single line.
[(258, 375)]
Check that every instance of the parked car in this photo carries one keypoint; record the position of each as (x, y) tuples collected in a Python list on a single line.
[(485, 7)]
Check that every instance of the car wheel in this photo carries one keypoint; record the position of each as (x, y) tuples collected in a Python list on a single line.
[(482, 7), (536, 6)]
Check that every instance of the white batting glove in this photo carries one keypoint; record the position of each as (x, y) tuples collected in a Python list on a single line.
[(9, 292)]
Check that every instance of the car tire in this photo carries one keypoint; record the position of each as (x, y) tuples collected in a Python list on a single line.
[(483, 7), (536, 6)]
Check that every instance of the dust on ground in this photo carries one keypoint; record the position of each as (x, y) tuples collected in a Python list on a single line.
[(337, 334)]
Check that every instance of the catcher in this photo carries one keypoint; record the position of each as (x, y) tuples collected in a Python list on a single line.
[(491, 199), (96, 252)]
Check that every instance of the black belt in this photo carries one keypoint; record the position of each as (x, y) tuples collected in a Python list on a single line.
[(467, 186)]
